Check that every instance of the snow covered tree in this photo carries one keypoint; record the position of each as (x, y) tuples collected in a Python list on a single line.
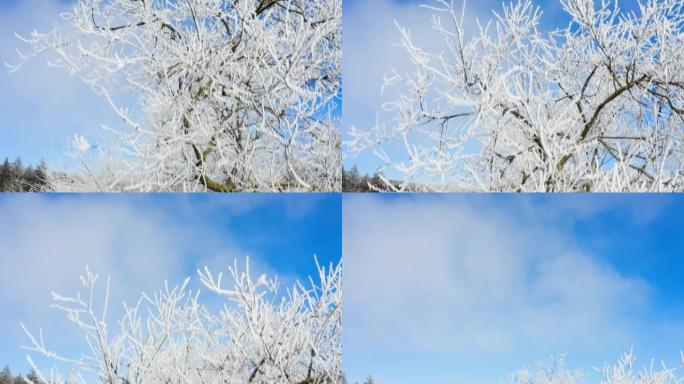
[(261, 335), (6, 376), (215, 95), (33, 378), (623, 372), (595, 106), (6, 175), (551, 372), (14, 177)]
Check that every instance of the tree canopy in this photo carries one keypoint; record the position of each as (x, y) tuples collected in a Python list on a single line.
[(262, 334), (595, 106), (214, 95)]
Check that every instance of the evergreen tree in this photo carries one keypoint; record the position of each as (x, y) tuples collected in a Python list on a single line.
[(15, 178), (16, 173), (18, 166), (377, 182), (6, 376), (27, 180), (35, 179), (41, 172), (353, 181), (5, 175), (32, 377)]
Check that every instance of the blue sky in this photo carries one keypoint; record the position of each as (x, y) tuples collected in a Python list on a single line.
[(42, 106), (370, 52), (470, 288), (140, 240)]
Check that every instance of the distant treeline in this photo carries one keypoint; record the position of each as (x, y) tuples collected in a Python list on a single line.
[(6, 377), (15, 177), (368, 380), (353, 181)]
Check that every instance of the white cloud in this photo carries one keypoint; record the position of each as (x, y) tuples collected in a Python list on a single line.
[(47, 244), (461, 278), (47, 241)]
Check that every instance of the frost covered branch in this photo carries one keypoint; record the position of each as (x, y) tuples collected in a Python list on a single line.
[(215, 95), (597, 106), (261, 335), (623, 372)]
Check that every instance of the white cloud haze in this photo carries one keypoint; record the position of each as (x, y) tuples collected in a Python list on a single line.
[(464, 283), (140, 241)]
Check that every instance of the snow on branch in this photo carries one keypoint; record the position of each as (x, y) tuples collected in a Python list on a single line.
[(213, 95), (596, 106), (261, 335), (623, 372)]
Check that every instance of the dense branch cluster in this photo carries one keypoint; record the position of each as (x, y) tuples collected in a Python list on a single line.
[(215, 95), (597, 106), (261, 335)]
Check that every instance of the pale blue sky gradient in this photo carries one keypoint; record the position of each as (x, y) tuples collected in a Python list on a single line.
[(467, 289), (140, 240)]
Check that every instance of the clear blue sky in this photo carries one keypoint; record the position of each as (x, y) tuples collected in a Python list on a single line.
[(140, 240), (470, 288), (370, 52)]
